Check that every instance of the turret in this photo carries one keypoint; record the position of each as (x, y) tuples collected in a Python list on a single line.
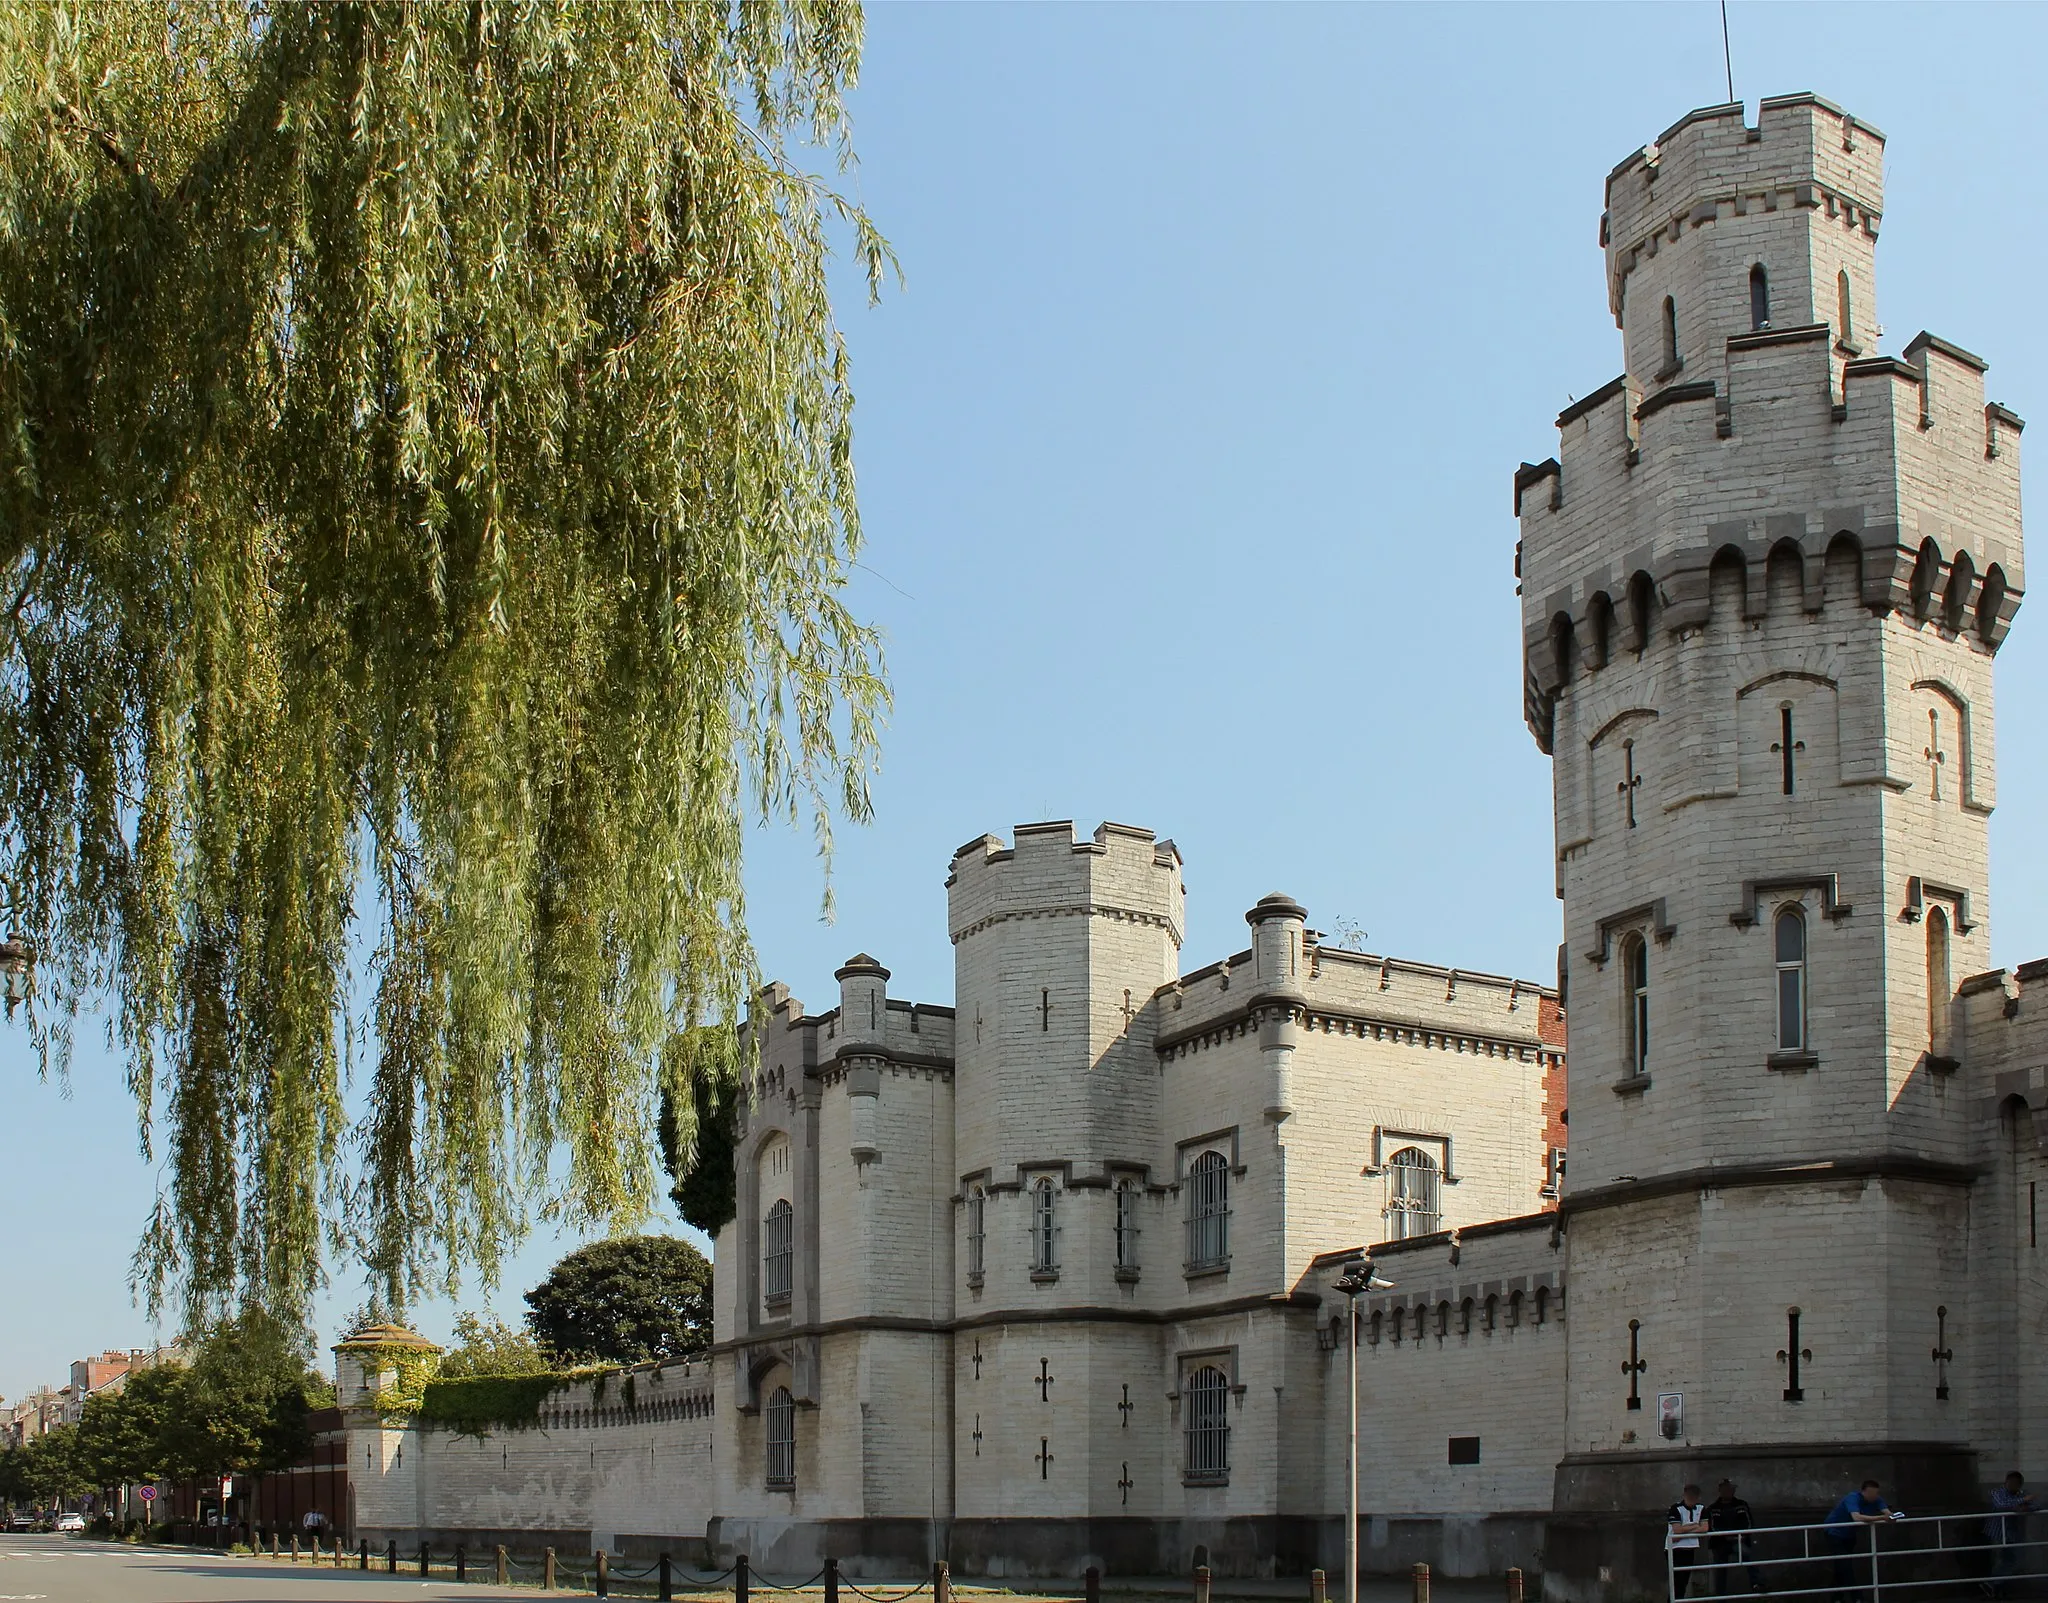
[(863, 1036), (1279, 933)]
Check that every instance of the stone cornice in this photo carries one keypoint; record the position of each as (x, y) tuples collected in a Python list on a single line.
[(1734, 1177), (1127, 915), (1244, 1020)]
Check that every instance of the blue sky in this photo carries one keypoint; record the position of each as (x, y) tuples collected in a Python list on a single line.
[(1185, 456)]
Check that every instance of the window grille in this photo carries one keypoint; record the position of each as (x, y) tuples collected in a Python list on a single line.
[(1415, 1207), (1208, 1189), (781, 1418), (1791, 953), (977, 1235), (1043, 1230), (1207, 1394), (777, 1244), (1126, 1225)]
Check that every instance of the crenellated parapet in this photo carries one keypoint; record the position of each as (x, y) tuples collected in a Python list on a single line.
[(1121, 873), (1894, 480)]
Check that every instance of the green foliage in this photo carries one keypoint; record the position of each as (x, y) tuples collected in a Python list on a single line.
[(473, 1405), (244, 1401), (426, 501), (697, 1152), (624, 1301), (491, 1347), (43, 1470), (125, 1435)]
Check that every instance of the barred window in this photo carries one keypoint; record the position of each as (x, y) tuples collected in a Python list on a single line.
[(977, 1235), (1126, 1225), (1043, 1230), (781, 1417), (777, 1241), (1414, 1206), (1208, 1425), (1209, 1212)]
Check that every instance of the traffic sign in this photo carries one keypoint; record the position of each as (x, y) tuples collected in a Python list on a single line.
[(147, 1494)]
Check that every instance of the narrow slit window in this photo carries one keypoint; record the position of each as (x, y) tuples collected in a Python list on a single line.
[(1126, 1225), (1847, 332), (1791, 962), (1938, 990), (1670, 334), (977, 1235), (1787, 747), (1759, 297)]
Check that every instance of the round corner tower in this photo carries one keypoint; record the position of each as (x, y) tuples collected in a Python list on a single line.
[(1763, 583)]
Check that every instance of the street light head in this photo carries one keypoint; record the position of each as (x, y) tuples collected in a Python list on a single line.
[(1360, 1276)]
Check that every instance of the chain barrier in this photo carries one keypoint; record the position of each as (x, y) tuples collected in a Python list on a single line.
[(756, 1578), (872, 1598)]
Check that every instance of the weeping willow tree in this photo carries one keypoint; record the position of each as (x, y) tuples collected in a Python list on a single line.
[(425, 510)]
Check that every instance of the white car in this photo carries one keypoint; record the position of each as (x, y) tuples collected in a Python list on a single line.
[(70, 1522)]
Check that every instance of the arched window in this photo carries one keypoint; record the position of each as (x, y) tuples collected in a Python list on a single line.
[(780, 1417), (1542, 1304), (1845, 329), (1670, 335), (1465, 1317), (1126, 1225), (1373, 1331), (1759, 297), (1939, 989), (1642, 598), (1492, 1312), (1443, 1318), (1955, 601), (1414, 1205), (1514, 1309), (1926, 569), (1635, 970), (977, 1235), (1400, 1320), (1209, 1212), (1043, 1230), (1791, 959), (778, 1243), (1208, 1425)]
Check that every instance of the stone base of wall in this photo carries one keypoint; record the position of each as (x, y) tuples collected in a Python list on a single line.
[(1605, 1543), (1242, 1548)]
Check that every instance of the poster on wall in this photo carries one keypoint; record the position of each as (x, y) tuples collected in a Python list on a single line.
[(1670, 1414)]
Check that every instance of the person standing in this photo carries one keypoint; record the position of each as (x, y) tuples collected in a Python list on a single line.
[(1687, 1519), (2008, 1529), (1728, 1515), (1865, 1506)]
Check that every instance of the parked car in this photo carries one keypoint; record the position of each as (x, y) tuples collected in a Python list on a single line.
[(22, 1522), (70, 1522)]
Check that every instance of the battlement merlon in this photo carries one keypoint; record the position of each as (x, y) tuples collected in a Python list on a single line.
[(1122, 872), (1804, 152)]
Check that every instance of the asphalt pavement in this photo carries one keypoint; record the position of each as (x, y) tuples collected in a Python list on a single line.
[(66, 1569)]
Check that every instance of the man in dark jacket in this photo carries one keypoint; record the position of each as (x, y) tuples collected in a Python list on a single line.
[(1726, 1515)]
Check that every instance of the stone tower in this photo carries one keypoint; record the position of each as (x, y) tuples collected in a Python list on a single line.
[(1763, 583)]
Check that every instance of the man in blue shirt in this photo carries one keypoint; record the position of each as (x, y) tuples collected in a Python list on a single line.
[(2008, 1528), (1859, 1508)]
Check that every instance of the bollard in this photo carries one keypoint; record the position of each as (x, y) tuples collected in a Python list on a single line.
[(831, 1580), (273, 1542), (1514, 1594), (547, 1570), (1315, 1586), (504, 1569), (295, 1549), (1420, 1579), (316, 1548), (461, 1568), (423, 1558), (365, 1555), (1201, 1583), (1091, 1585), (391, 1557), (739, 1579), (665, 1586), (604, 1573), (942, 1582)]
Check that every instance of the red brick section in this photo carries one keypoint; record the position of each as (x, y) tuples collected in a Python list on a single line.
[(1550, 1029)]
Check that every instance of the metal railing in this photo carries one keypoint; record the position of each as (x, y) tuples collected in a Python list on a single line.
[(1924, 1556)]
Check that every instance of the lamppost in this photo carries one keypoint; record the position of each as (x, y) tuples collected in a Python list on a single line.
[(17, 970), (1359, 1275)]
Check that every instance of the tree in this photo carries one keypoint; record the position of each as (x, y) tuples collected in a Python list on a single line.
[(491, 1347), (701, 1165), (124, 1434), (424, 460), (244, 1402), (624, 1301)]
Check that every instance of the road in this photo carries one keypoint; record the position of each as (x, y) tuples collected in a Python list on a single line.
[(64, 1569)]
